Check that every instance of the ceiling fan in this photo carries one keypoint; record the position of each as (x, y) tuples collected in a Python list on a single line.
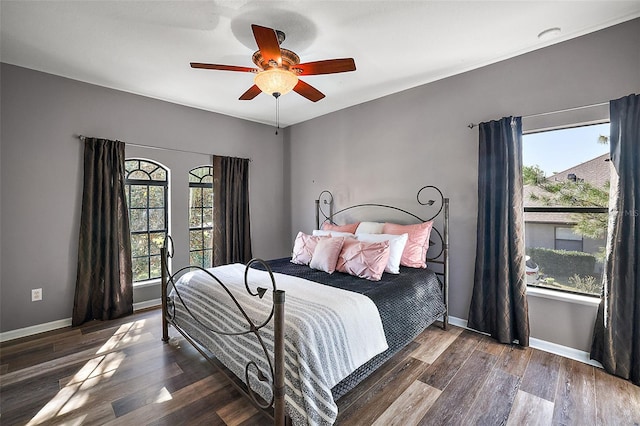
[(278, 68)]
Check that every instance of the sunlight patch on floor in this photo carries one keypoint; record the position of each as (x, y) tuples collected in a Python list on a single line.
[(163, 395), (127, 333), (78, 390)]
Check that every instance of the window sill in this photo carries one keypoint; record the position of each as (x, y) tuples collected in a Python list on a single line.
[(564, 297), (148, 283)]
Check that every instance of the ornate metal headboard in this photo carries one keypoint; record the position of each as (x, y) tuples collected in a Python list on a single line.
[(437, 210)]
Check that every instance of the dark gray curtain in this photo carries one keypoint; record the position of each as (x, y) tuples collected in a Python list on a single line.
[(616, 337), (104, 288), (232, 228), (499, 300)]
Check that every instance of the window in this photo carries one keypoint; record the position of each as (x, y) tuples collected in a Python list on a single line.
[(146, 184), (568, 239), (566, 177), (201, 216)]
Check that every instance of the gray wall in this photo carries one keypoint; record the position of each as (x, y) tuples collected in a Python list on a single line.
[(41, 177), (386, 149)]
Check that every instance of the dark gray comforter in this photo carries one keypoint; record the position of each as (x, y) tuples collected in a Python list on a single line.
[(408, 303)]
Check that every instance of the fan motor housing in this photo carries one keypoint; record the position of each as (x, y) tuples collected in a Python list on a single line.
[(289, 59)]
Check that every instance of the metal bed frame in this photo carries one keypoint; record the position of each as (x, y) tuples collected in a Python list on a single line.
[(275, 407), (435, 200), (275, 375)]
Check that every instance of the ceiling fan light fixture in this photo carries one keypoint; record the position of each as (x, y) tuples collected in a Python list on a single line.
[(276, 80)]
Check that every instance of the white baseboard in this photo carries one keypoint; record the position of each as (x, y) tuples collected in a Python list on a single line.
[(564, 351), (34, 329), (54, 325), (153, 303), (543, 345)]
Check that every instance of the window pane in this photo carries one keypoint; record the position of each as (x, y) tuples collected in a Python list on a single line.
[(156, 196), (195, 258), (195, 240), (195, 218), (148, 167), (567, 234), (138, 196), (569, 245), (140, 269), (159, 175), (208, 218), (208, 259), (139, 245), (207, 238), (157, 241), (156, 219), (138, 175), (207, 197), (156, 267), (195, 197), (138, 220), (130, 165)]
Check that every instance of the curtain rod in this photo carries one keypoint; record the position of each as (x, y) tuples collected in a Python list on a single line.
[(83, 138), (541, 114)]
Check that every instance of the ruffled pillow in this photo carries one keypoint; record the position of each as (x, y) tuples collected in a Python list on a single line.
[(396, 248), (303, 248), (325, 256), (362, 259), (415, 251)]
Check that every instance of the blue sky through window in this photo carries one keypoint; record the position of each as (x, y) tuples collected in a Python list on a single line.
[(558, 150)]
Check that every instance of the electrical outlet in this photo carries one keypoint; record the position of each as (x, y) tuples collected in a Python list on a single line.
[(36, 294)]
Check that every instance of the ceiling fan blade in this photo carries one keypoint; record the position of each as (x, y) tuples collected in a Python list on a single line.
[(251, 93), (308, 91), (268, 45), (222, 67), (329, 66)]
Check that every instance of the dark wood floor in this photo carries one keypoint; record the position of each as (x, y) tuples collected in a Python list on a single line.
[(119, 372)]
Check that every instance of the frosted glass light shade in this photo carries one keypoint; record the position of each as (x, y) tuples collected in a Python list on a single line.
[(276, 80)]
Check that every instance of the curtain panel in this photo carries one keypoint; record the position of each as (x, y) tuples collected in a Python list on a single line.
[(104, 287), (232, 227), (499, 300), (616, 337)]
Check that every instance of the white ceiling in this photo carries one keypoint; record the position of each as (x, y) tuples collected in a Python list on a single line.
[(145, 47)]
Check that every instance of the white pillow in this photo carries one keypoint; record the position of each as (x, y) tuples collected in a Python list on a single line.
[(325, 256), (369, 228), (321, 233), (396, 247)]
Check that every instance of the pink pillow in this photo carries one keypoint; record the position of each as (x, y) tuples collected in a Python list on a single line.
[(350, 228), (326, 254), (303, 248), (364, 260), (415, 251)]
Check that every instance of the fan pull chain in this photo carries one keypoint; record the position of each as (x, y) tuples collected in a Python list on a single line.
[(277, 113)]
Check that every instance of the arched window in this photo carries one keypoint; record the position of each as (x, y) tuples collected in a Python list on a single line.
[(147, 185), (201, 216)]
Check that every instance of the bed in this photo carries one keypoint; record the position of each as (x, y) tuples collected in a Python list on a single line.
[(294, 363)]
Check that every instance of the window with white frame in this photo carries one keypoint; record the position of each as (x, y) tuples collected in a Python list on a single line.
[(566, 174), (201, 216), (146, 185)]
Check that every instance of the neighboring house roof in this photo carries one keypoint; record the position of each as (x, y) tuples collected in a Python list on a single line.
[(595, 171)]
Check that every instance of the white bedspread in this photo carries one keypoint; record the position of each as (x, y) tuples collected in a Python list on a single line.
[(329, 333)]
